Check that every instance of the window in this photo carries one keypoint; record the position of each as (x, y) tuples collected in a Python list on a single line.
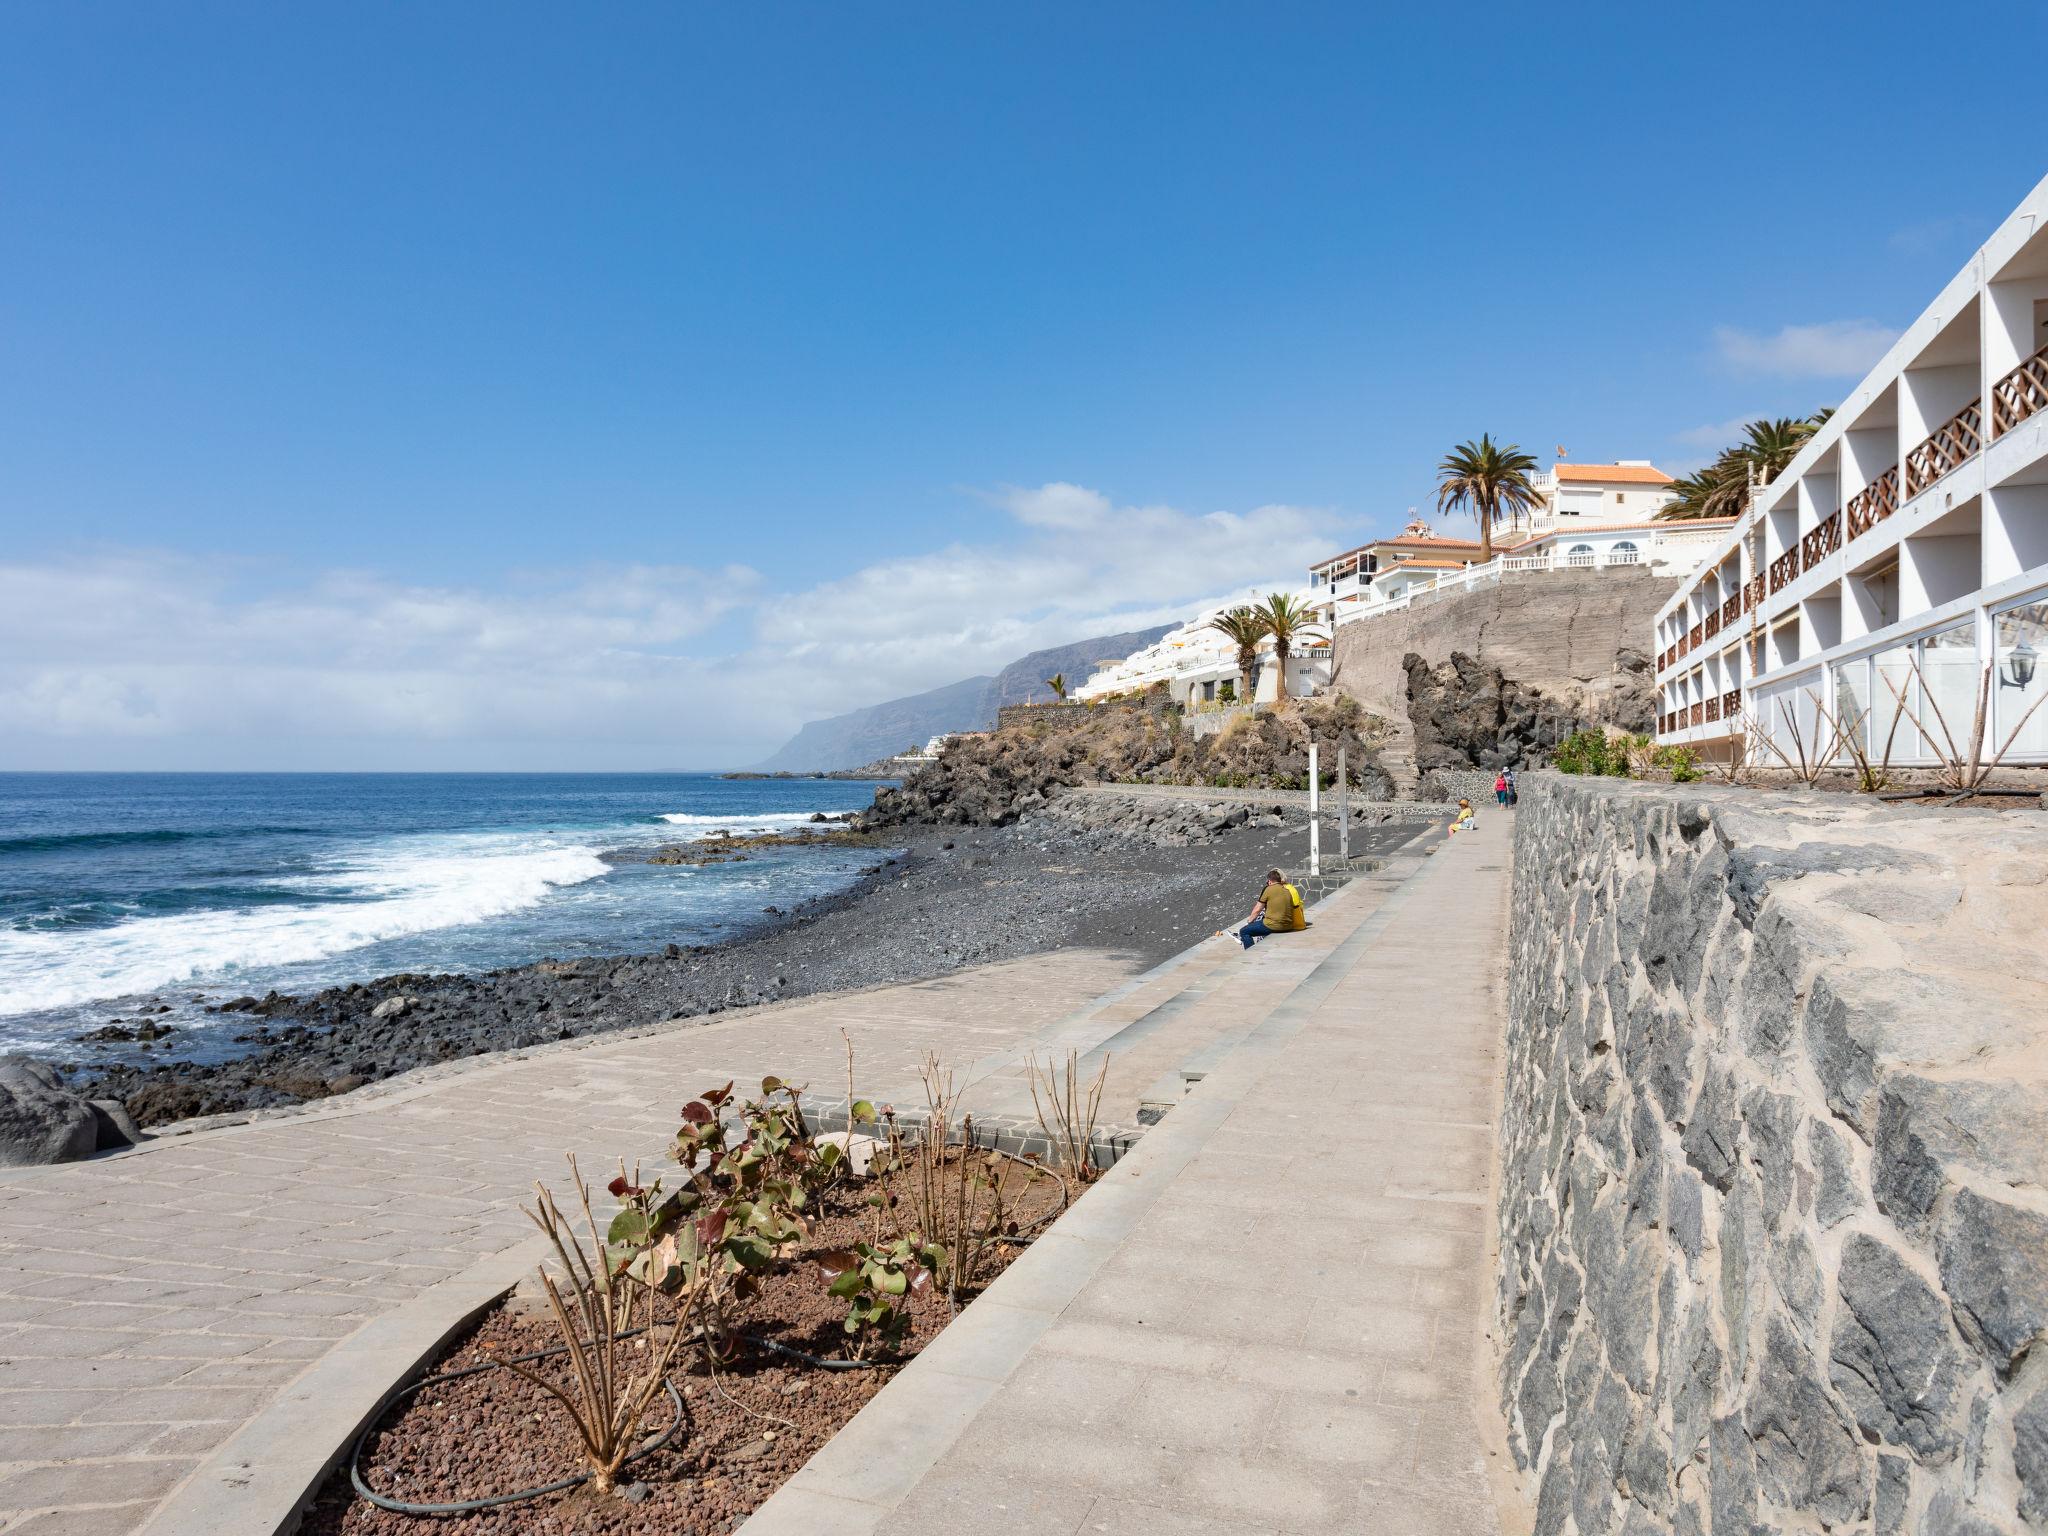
[(1619, 498), (1623, 553)]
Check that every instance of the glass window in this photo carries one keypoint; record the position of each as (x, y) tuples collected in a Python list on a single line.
[(1892, 694), (1851, 707), (1624, 547), (2020, 681), (1948, 670)]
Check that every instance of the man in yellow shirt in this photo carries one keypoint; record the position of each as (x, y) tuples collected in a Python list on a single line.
[(1274, 912)]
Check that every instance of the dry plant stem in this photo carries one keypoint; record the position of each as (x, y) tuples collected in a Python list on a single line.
[(610, 1399), (1963, 770), (1066, 1115)]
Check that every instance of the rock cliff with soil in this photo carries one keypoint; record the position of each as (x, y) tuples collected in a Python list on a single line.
[(993, 780), (1467, 713)]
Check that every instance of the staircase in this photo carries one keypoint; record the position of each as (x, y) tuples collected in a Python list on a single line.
[(1165, 1030)]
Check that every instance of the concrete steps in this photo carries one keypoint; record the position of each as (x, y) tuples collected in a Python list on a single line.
[(1168, 1028)]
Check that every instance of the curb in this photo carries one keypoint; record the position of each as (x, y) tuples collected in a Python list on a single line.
[(261, 1481)]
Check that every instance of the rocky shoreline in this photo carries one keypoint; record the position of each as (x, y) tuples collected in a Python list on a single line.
[(935, 900)]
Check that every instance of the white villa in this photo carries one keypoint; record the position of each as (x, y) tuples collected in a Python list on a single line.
[(1898, 567), (1200, 665), (1593, 516)]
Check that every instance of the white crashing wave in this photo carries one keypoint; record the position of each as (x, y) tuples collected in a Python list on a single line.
[(391, 890), (757, 821)]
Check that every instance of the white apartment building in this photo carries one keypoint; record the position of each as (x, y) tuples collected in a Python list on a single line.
[(1902, 557), (1200, 666)]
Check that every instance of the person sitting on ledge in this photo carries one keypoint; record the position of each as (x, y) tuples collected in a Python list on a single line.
[(1464, 821), (1276, 911)]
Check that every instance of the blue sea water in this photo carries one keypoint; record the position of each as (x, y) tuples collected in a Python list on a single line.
[(191, 888)]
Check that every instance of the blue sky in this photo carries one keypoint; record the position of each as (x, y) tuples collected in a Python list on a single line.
[(464, 386)]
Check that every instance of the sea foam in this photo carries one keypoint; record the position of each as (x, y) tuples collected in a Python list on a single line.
[(379, 892)]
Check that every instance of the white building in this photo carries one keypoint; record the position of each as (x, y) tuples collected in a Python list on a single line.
[(1594, 516), (1199, 665), (1901, 560), (1578, 495)]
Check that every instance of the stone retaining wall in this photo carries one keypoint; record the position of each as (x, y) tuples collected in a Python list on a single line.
[(1774, 1180)]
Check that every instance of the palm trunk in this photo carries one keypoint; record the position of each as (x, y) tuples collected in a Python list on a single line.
[(1485, 509), (1280, 675), (1246, 660)]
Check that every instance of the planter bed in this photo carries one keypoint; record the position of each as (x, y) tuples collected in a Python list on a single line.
[(743, 1433)]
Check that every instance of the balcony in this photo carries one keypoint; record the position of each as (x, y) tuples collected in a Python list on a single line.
[(1752, 594), (1714, 710), (2019, 394), (1731, 704), (1731, 611), (1820, 542), (1873, 504), (1785, 569), (1711, 625), (1699, 714), (1954, 443), (1693, 637)]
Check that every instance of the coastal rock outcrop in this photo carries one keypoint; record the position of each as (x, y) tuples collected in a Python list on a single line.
[(1467, 713), (994, 778), (42, 1121), (1773, 1143)]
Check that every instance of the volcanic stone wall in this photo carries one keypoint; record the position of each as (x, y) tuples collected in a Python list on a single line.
[(1774, 1183)]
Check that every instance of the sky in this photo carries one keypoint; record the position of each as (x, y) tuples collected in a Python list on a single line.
[(515, 386)]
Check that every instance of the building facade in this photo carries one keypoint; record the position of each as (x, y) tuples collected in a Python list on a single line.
[(1895, 575), (1199, 666)]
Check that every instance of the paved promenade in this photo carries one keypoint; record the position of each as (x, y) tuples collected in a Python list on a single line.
[(1271, 1316), (230, 1288)]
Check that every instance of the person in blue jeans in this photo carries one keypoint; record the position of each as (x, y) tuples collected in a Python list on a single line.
[(1276, 903)]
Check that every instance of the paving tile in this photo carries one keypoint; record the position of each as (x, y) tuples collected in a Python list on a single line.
[(971, 1502), (92, 1482), (1121, 1517)]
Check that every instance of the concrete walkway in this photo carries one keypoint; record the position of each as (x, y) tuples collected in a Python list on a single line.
[(220, 1298), (1272, 1315)]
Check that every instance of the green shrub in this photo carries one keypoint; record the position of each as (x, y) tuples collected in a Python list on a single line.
[(1591, 752)]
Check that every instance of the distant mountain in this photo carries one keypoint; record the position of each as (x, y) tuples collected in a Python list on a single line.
[(881, 730), (862, 736), (1023, 680)]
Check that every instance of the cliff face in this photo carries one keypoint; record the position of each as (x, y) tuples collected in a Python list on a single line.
[(862, 736), (1574, 638)]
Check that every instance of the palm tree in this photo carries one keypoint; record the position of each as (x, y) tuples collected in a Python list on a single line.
[(1489, 478), (1245, 628), (1058, 684), (1286, 619), (1722, 488)]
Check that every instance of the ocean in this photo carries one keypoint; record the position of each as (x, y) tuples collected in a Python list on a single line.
[(125, 890)]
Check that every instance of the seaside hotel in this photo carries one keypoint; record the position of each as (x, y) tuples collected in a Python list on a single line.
[(1593, 517), (1900, 557)]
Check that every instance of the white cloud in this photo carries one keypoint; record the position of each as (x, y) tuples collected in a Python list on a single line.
[(1831, 349), (142, 658), (1715, 434)]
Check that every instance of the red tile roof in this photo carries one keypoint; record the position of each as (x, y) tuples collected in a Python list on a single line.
[(1614, 474)]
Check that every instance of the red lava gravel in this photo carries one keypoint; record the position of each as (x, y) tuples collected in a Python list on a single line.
[(744, 1434)]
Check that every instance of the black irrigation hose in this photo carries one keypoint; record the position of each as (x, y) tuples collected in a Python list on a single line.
[(470, 1506)]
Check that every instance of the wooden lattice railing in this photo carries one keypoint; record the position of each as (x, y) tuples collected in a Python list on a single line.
[(1821, 541), (1753, 593), (1785, 569), (1699, 714), (1713, 710), (1710, 626), (1693, 637), (1873, 504), (1954, 443), (1731, 611), (2019, 394), (1731, 704)]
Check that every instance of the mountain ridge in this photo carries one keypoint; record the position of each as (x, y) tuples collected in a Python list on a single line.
[(866, 735)]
